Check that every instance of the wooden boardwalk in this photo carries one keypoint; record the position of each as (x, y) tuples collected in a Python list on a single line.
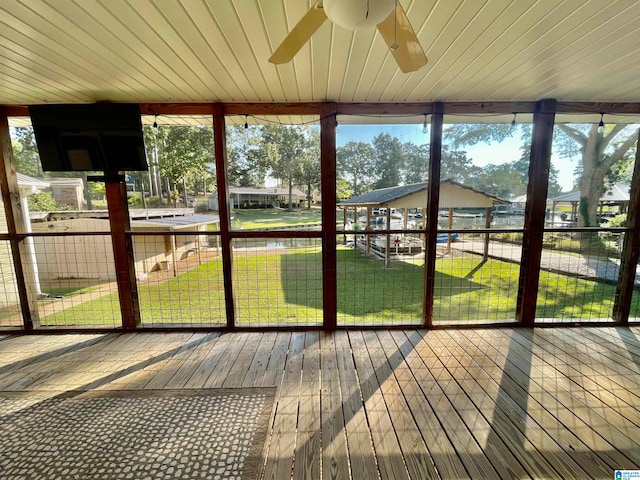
[(450, 404)]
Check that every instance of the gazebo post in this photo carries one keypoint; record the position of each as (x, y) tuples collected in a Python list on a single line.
[(387, 248), (367, 229), (487, 224), (344, 225), (450, 227)]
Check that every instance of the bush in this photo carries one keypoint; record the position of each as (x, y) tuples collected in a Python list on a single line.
[(618, 221), (202, 207), (134, 199), (154, 201), (43, 202)]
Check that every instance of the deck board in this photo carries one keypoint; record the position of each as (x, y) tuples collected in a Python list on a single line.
[(482, 403), (334, 463), (567, 426)]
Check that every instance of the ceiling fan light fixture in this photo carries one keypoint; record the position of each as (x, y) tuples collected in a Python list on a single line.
[(358, 14)]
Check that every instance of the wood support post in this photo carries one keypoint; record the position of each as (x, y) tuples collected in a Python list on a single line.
[(630, 249), (26, 279), (118, 207), (435, 159), (328, 187), (224, 212), (539, 166)]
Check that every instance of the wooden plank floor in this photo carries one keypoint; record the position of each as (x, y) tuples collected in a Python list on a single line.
[(412, 404)]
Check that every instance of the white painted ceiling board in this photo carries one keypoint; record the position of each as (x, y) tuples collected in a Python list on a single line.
[(71, 40), (481, 32), (217, 50), (433, 40), (188, 73), (247, 75), (296, 9), (321, 61), (569, 47), (340, 54), (363, 42), (258, 45), (198, 51), (41, 49)]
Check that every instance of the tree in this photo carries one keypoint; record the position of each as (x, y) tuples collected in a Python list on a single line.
[(282, 147), (25, 152), (185, 153), (457, 166), (245, 167), (355, 162), (416, 162), (598, 154), (502, 180), (389, 161), (309, 176), (343, 189)]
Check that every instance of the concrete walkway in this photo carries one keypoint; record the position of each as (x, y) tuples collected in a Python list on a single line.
[(552, 260)]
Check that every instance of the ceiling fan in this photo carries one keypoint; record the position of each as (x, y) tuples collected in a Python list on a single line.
[(387, 15)]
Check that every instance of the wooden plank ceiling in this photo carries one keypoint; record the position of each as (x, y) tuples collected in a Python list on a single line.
[(72, 51)]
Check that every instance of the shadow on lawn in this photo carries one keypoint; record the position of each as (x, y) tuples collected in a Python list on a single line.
[(364, 286)]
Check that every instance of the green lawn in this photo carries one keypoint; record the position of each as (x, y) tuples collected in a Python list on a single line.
[(248, 219), (287, 289)]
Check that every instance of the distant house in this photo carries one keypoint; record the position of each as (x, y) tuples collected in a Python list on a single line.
[(260, 197), (68, 191)]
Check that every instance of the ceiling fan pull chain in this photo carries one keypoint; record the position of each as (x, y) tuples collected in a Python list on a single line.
[(394, 46)]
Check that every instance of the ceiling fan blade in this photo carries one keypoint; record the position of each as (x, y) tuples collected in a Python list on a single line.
[(299, 35), (397, 31)]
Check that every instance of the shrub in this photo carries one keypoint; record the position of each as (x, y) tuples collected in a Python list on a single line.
[(43, 202), (135, 199), (618, 221)]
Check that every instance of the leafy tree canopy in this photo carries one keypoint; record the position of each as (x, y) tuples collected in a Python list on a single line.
[(355, 162), (389, 161)]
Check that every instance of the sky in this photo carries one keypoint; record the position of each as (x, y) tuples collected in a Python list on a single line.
[(481, 155)]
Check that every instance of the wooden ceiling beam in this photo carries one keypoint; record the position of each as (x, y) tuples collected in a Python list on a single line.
[(314, 108)]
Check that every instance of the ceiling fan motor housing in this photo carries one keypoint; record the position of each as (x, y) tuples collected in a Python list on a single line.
[(358, 14)]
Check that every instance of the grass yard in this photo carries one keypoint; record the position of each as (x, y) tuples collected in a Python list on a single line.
[(286, 289), (251, 219)]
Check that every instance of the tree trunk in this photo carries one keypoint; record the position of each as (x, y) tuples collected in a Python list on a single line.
[(308, 196), (290, 195), (85, 187), (144, 198), (184, 190)]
